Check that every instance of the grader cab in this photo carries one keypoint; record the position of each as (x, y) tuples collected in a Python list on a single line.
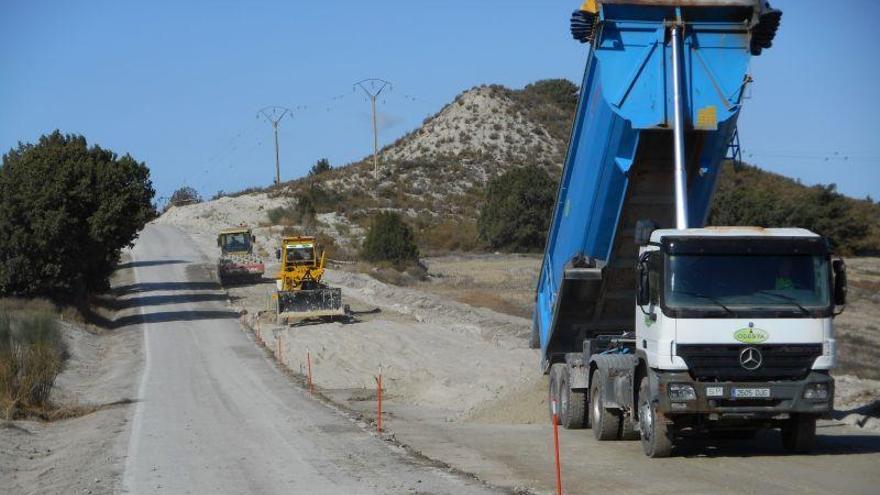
[(300, 293)]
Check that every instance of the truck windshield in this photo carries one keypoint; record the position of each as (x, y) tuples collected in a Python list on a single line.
[(236, 242), (728, 283), (300, 255)]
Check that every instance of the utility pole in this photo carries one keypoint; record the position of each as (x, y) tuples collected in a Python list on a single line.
[(372, 88), (273, 114)]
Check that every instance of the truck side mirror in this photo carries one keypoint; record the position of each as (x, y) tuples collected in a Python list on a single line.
[(643, 296), (253, 238), (839, 268), (218, 241), (277, 254)]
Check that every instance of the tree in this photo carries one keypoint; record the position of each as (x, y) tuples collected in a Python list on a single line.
[(321, 166), (518, 207), (66, 210), (184, 196), (750, 196), (390, 239)]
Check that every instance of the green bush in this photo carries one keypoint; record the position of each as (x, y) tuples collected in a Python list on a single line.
[(184, 196), (66, 210), (390, 239), (32, 355), (518, 207), (321, 166), (751, 196)]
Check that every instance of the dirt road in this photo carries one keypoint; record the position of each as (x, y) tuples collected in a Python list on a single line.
[(215, 416)]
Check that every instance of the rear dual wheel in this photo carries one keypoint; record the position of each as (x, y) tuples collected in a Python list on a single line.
[(571, 404), (606, 423)]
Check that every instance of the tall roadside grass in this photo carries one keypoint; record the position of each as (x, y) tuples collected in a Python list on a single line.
[(32, 354)]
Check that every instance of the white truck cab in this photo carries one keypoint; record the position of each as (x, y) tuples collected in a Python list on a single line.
[(734, 330)]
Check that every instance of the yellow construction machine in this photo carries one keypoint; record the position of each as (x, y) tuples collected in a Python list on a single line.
[(300, 293), (237, 260)]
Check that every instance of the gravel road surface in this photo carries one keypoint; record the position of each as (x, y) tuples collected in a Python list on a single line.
[(214, 415)]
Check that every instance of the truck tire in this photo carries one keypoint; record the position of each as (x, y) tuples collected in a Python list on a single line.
[(606, 424), (534, 337), (655, 433), (553, 389), (799, 433), (572, 404)]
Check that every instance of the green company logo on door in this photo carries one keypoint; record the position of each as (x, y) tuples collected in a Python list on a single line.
[(751, 335)]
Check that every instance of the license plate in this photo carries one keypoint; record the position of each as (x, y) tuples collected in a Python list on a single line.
[(751, 393), (714, 391)]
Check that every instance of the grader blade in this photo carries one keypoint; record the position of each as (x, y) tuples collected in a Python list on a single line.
[(308, 304)]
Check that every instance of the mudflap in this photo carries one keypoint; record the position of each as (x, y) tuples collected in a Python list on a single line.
[(305, 304)]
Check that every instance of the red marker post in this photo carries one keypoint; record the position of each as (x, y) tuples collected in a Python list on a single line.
[(556, 449)]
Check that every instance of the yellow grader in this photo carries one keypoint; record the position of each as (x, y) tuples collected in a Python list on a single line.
[(300, 293)]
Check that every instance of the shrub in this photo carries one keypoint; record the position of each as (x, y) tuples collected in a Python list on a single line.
[(321, 166), (184, 196), (751, 196), (518, 207), (281, 215), (62, 237), (450, 235), (32, 355), (390, 239)]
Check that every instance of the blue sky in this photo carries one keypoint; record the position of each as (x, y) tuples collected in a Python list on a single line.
[(178, 84)]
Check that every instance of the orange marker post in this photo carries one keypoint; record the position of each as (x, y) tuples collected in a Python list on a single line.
[(556, 448), (309, 369)]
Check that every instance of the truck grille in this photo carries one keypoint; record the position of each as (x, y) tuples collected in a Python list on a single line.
[(719, 362)]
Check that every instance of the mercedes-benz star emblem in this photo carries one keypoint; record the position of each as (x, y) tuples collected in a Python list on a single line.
[(750, 358)]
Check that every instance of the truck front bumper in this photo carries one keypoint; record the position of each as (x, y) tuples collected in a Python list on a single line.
[(734, 399)]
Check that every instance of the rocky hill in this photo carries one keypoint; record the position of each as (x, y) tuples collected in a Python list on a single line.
[(436, 176)]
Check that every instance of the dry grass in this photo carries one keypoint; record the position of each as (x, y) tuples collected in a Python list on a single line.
[(32, 354), (491, 300)]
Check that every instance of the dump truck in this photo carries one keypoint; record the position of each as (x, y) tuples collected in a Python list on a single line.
[(301, 294), (650, 324), (237, 262)]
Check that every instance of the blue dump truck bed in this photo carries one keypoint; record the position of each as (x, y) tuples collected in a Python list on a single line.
[(620, 163)]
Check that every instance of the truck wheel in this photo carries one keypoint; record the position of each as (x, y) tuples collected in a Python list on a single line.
[(553, 395), (572, 404), (605, 423), (656, 437), (799, 433)]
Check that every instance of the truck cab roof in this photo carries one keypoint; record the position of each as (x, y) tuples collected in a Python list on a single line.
[(659, 234)]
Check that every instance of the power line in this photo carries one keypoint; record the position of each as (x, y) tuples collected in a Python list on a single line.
[(373, 87), (273, 114)]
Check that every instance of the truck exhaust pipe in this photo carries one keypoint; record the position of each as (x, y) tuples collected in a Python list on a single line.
[(681, 207)]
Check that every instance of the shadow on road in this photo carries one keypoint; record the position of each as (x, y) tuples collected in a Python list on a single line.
[(138, 264), (769, 443), (169, 316), (143, 301), (165, 286)]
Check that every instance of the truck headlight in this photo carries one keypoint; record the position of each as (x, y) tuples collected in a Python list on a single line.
[(681, 391), (816, 391)]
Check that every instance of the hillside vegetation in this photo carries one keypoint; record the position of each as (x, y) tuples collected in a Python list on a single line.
[(436, 177)]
